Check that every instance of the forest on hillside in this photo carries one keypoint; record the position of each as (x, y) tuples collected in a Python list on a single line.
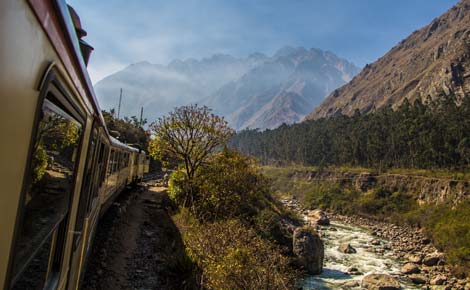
[(415, 135)]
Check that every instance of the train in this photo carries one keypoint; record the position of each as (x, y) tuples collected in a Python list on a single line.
[(60, 168)]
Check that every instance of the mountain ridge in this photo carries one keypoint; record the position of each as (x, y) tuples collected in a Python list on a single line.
[(430, 62), (241, 89)]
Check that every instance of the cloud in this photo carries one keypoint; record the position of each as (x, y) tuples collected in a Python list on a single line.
[(125, 32)]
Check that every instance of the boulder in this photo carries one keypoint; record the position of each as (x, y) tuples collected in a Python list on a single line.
[(318, 217), (347, 249), (350, 284), (439, 280), (375, 242), (418, 279), (380, 282), (432, 259), (354, 271), (309, 250), (410, 268), (414, 259)]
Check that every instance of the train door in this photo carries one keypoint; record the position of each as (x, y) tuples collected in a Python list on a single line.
[(47, 195), (86, 208)]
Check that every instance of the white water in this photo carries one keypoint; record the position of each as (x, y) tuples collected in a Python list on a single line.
[(366, 260)]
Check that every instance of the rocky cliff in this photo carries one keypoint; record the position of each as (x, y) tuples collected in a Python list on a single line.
[(428, 190), (432, 62)]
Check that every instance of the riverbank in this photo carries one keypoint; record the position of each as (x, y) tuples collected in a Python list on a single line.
[(421, 261), (399, 251)]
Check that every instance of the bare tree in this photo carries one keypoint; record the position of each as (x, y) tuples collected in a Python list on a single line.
[(189, 134)]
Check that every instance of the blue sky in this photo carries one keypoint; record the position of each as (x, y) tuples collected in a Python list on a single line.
[(128, 31)]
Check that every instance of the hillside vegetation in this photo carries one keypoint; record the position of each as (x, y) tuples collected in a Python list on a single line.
[(236, 234), (432, 136)]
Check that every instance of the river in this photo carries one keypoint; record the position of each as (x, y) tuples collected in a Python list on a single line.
[(368, 259)]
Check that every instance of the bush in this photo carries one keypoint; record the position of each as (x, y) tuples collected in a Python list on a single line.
[(449, 228), (178, 188), (226, 262), (229, 185), (333, 197), (383, 203)]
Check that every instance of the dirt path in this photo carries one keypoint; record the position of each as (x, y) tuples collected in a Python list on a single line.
[(137, 246)]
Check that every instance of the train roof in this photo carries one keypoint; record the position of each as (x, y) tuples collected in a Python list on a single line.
[(115, 142)]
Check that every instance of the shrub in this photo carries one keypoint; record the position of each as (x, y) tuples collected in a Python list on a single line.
[(229, 185), (178, 188), (333, 197), (226, 262), (449, 228)]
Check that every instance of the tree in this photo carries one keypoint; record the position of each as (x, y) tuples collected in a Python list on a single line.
[(189, 134), (130, 129)]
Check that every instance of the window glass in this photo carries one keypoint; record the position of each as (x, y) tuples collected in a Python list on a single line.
[(47, 196), (87, 185)]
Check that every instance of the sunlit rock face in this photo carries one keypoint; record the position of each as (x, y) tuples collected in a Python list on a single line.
[(252, 92), (433, 62)]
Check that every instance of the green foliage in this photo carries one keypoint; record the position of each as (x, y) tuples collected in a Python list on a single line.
[(39, 164), (228, 185), (130, 129), (190, 135), (413, 136), (382, 202), (449, 227), (177, 187), (333, 197), (232, 256)]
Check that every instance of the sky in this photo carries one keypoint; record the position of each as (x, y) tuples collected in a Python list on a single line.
[(129, 31)]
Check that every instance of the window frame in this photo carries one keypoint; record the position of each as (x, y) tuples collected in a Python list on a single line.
[(51, 85)]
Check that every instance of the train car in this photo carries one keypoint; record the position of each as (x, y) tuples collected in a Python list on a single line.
[(60, 168)]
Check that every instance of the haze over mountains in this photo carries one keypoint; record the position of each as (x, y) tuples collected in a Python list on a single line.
[(256, 92), (432, 62)]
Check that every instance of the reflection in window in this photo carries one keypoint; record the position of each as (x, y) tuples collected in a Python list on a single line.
[(51, 183)]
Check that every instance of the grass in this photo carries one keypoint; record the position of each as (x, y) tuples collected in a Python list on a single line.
[(277, 172)]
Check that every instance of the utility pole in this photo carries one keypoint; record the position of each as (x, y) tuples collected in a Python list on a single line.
[(119, 106), (141, 114)]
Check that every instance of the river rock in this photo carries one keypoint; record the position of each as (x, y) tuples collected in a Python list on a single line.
[(380, 282), (350, 284), (439, 280), (347, 249), (410, 268), (414, 259), (418, 279), (318, 217), (308, 247), (375, 242), (432, 259)]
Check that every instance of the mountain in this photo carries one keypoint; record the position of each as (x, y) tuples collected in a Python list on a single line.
[(283, 89), (160, 88), (258, 91), (432, 62)]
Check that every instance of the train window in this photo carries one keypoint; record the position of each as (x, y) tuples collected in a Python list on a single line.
[(47, 195), (102, 160), (87, 185), (111, 162)]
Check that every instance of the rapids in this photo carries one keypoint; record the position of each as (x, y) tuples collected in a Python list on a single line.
[(368, 259)]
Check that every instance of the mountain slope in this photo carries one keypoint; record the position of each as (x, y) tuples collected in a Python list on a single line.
[(257, 91), (281, 90), (160, 88), (432, 61)]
